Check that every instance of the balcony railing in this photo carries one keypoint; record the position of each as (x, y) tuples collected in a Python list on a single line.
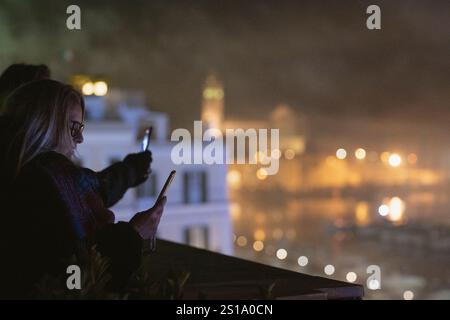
[(217, 276)]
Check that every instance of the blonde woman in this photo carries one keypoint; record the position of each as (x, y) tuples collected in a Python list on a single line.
[(116, 179), (52, 208)]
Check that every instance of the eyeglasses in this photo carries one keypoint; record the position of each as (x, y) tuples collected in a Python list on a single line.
[(76, 128)]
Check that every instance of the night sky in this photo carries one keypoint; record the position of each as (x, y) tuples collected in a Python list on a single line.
[(317, 56)]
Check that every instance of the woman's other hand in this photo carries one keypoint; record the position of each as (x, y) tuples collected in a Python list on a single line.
[(140, 163)]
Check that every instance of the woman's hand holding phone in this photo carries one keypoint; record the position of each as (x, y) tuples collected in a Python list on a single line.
[(146, 222)]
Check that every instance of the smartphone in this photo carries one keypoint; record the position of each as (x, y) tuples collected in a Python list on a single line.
[(151, 245), (167, 184), (146, 138)]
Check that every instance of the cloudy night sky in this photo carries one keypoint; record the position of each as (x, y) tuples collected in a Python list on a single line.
[(317, 56)]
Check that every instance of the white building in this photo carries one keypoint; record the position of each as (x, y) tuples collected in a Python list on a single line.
[(197, 210)]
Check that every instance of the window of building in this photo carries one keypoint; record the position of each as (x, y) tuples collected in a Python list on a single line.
[(195, 187), (148, 188), (197, 236)]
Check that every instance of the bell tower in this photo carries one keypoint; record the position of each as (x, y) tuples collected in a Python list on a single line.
[(213, 103)]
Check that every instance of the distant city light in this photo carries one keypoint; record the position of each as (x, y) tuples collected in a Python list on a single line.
[(385, 157), (281, 254), (277, 234), (100, 88), (408, 295), (393, 208), (394, 160), (258, 245), (412, 158), (234, 178), (261, 174), (259, 234), (213, 93), (302, 261), (351, 277), (374, 284), (329, 269), (235, 211), (241, 241), (264, 158), (360, 153), (289, 154), (341, 154), (362, 213), (396, 209), (87, 89), (383, 210), (276, 153), (259, 156)]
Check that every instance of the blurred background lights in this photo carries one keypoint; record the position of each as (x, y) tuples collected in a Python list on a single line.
[(88, 88), (258, 246), (235, 209), (100, 88), (362, 213), (302, 261), (289, 154), (383, 210), (261, 174), (281, 254), (234, 178), (385, 157), (396, 209), (259, 234), (341, 154), (260, 157), (241, 241), (408, 295), (276, 153), (329, 269), (360, 153), (351, 277), (394, 160)]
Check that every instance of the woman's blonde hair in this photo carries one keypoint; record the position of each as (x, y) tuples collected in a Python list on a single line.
[(39, 120)]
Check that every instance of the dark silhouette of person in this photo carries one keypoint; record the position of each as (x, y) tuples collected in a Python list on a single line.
[(116, 179), (18, 74), (22, 190), (51, 208)]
